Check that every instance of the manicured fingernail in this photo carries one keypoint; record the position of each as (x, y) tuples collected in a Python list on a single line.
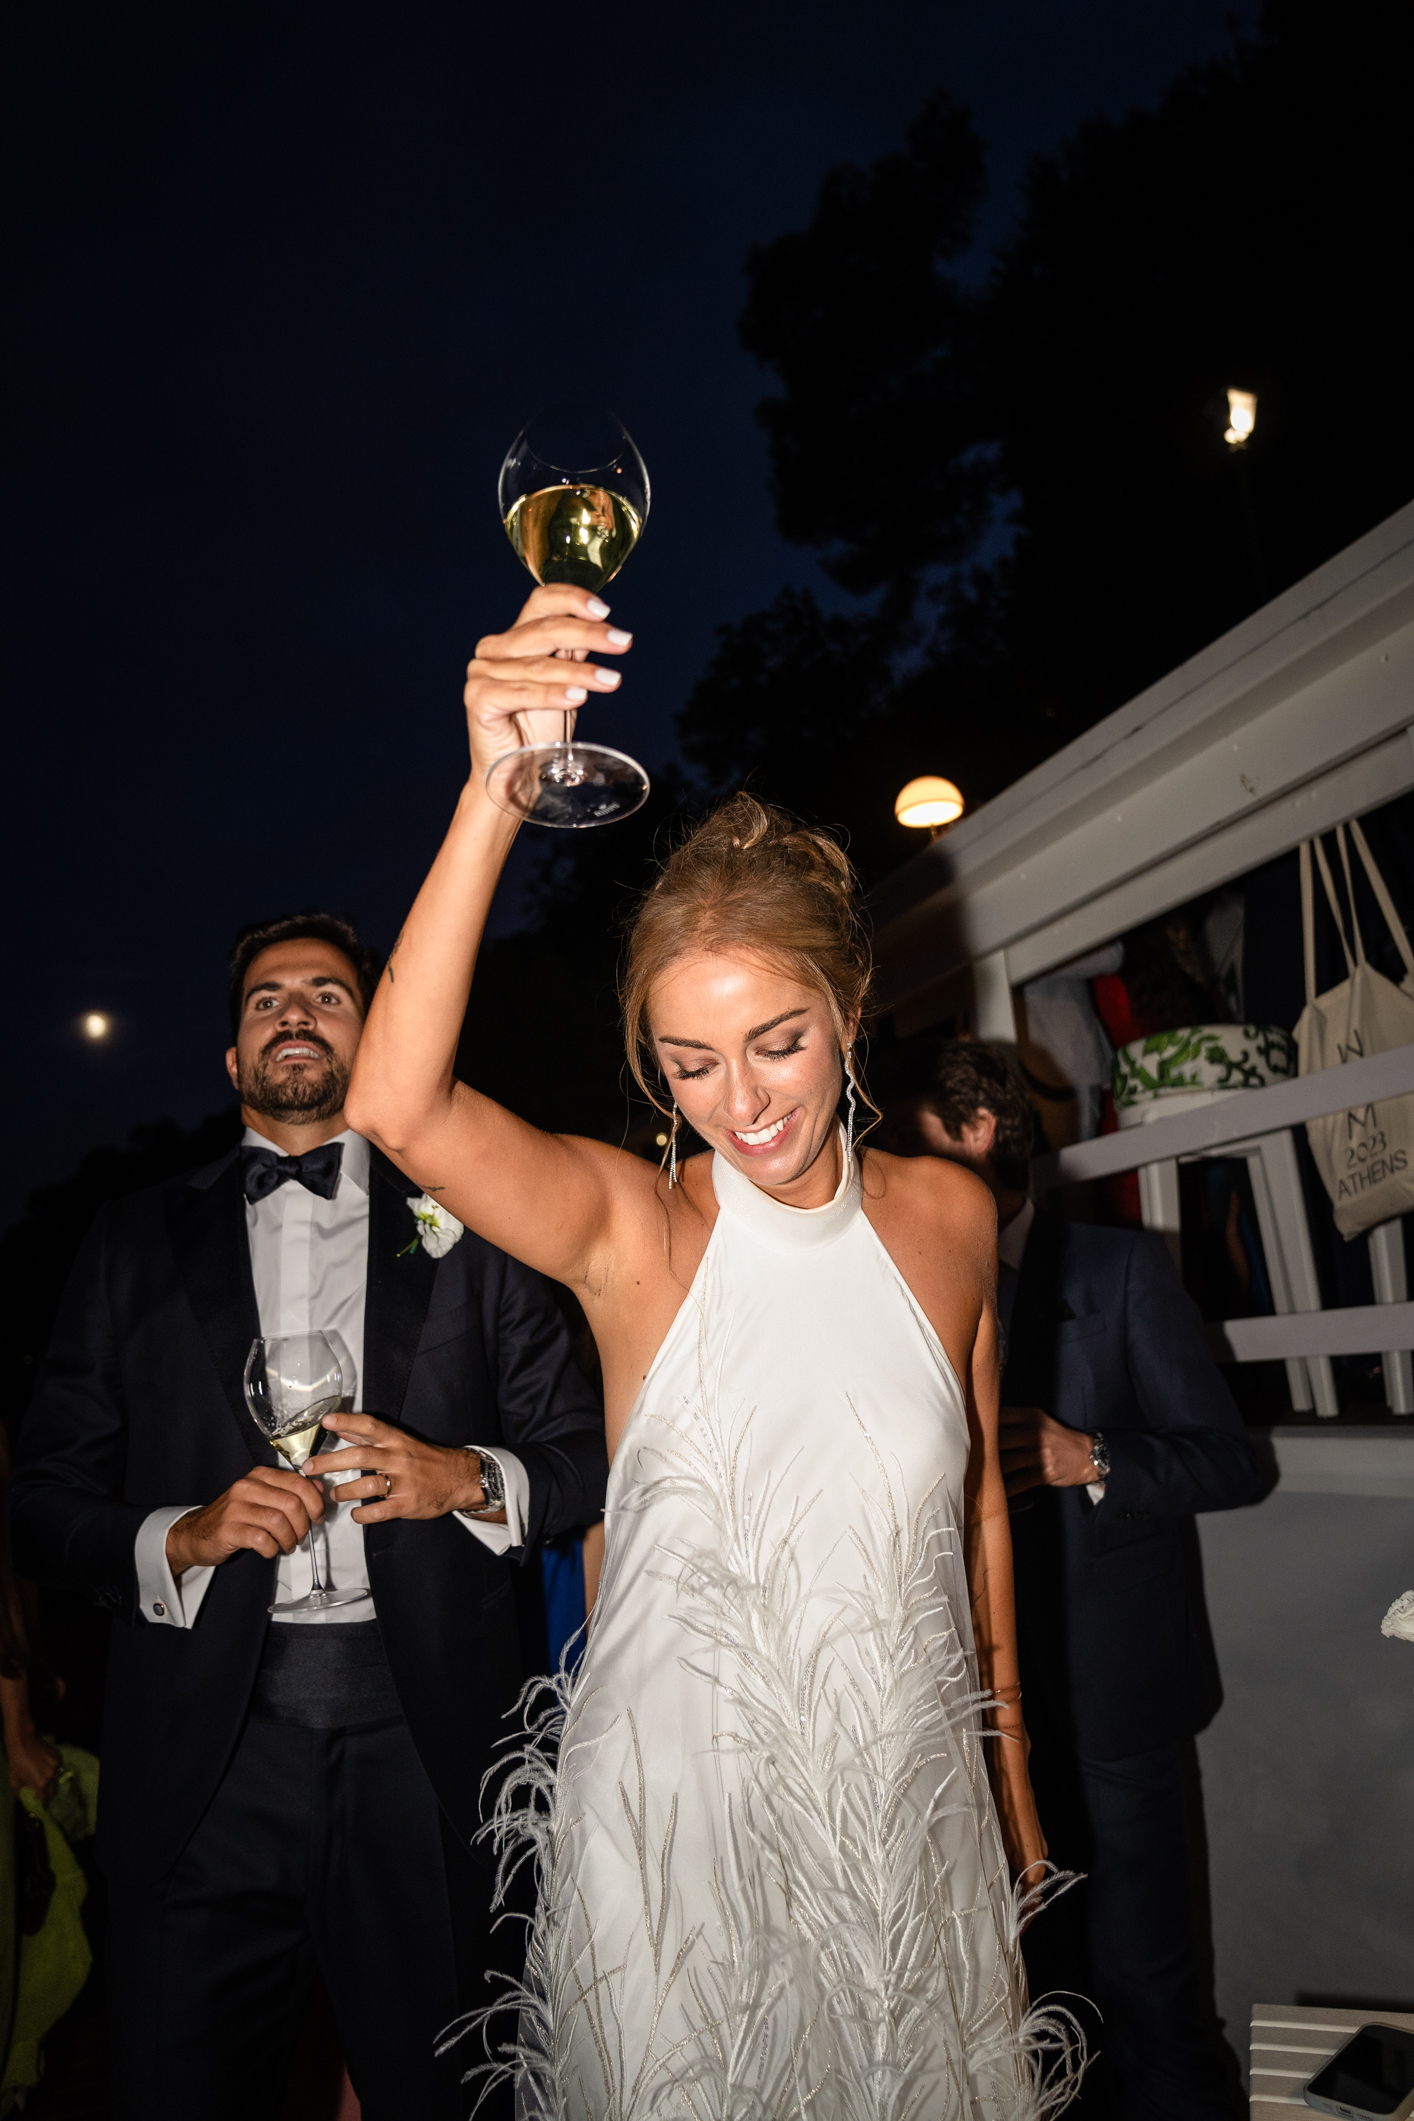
[(575, 693), (617, 639), (597, 608), (606, 677)]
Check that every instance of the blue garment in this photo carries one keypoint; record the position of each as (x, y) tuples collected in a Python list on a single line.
[(562, 1573)]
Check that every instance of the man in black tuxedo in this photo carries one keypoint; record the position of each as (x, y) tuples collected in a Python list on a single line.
[(1117, 1427), (283, 1795)]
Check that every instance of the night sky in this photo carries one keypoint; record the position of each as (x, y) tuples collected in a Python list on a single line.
[(288, 282)]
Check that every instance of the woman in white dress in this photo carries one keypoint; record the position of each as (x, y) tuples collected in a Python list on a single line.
[(782, 1822)]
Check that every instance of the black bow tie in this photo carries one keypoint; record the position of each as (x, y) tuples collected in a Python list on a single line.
[(262, 1170)]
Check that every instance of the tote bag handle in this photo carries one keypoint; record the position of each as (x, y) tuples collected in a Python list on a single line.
[(1383, 899), (1343, 845), (1377, 885), (1308, 923)]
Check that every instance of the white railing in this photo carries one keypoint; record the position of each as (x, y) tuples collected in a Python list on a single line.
[(1236, 1118), (1304, 1332)]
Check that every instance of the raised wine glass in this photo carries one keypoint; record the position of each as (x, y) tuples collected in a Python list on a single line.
[(574, 499), (292, 1380)]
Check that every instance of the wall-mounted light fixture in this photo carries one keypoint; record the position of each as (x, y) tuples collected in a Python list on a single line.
[(1241, 418), (929, 804)]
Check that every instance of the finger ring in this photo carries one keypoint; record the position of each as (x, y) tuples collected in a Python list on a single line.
[(389, 1478)]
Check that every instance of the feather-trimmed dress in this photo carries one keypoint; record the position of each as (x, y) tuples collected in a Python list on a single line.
[(771, 1878)]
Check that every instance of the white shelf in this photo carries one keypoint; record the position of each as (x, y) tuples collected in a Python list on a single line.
[(1361, 1329), (1236, 1118)]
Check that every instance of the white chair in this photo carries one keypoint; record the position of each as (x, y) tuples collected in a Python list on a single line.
[(1281, 1218), (1391, 1280), (1286, 1242)]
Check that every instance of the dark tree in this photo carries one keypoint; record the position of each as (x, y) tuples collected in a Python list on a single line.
[(1245, 234), (1031, 483), (37, 1252), (872, 444)]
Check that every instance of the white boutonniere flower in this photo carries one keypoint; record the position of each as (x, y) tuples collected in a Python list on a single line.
[(1399, 1620), (436, 1229)]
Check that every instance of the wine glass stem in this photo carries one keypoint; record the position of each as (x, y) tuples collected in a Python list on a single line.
[(314, 1557)]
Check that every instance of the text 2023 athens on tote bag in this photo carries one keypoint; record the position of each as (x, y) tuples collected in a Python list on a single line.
[(1365, 1156)]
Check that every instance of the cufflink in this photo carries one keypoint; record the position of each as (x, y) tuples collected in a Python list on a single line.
[(159, 1609)]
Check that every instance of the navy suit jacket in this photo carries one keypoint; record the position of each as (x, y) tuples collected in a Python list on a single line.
[(139, 1404), (1111, 1624)]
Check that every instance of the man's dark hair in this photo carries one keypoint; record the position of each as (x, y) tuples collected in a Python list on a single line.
[(968, 1078), (958, 1077), (313, 925)]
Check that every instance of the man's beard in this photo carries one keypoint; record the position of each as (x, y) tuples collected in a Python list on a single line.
[(309, 1093)]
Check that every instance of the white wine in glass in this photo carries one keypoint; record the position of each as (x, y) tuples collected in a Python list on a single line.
[(574, 499), (579, 534), (291, 1381)]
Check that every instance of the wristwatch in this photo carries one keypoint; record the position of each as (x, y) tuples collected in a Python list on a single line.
[(493, 1486), (1100, 1458)]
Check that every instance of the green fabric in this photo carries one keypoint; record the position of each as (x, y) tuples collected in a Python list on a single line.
[(9, 1933), (54, 1963)]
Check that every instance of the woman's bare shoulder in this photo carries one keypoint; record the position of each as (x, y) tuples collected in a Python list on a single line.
[(933, 1192), (938, 1223)]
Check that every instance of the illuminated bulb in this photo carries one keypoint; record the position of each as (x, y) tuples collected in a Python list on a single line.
[(1241, 417), (96, 1026), (660, 1141), (928, 801)]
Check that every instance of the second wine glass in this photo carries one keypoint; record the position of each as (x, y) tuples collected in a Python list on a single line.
[(574, 498), (292, 1380)]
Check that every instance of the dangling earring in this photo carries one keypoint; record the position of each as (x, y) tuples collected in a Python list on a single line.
[(673, 1148), (851, 1101)]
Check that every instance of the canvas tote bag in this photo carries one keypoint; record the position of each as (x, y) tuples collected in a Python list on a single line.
[(1365, 1157)]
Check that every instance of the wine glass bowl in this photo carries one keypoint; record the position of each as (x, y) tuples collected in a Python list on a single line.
[(574, 497), (291, 1381)]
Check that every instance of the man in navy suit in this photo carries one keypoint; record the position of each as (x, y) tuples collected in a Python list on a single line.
[(1117, 1427), (280, 1796)]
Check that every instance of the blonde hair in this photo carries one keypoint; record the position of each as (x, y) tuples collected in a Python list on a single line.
[(751, 878)]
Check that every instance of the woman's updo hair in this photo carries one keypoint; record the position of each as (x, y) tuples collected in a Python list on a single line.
[(749, 878)]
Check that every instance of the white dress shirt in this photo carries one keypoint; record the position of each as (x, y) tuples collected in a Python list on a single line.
[(309, 1261), (1011, 1250)]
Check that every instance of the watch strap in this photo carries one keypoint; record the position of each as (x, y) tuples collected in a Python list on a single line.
[(493, 1483)]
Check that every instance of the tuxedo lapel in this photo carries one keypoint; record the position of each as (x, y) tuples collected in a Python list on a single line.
[(208, 1227), (399, 1290)]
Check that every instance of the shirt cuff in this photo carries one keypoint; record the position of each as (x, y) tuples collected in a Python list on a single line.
[(161, 1599), (500, 1538)]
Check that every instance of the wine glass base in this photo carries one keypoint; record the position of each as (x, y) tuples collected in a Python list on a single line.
[(569, 786), (319, 1601)]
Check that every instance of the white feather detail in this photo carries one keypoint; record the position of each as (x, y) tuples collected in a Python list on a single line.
[(864, 1961)]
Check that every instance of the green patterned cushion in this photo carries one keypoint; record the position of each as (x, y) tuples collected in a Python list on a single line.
[(1202, 1057)]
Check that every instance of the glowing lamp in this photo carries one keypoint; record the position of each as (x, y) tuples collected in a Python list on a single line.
[(96, 1026), (929, 803), (1241, 417)]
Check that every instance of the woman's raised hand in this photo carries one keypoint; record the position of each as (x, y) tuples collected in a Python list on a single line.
[(521, 684)]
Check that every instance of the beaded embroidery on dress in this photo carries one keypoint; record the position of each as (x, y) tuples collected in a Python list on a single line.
[(771, 1878)]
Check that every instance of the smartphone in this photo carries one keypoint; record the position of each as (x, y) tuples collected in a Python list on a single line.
[(1371, 2078)]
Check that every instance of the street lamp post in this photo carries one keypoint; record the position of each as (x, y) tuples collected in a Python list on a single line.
[(1241, 424)]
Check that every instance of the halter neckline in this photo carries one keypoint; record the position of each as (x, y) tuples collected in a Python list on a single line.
[(795, 1228)]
